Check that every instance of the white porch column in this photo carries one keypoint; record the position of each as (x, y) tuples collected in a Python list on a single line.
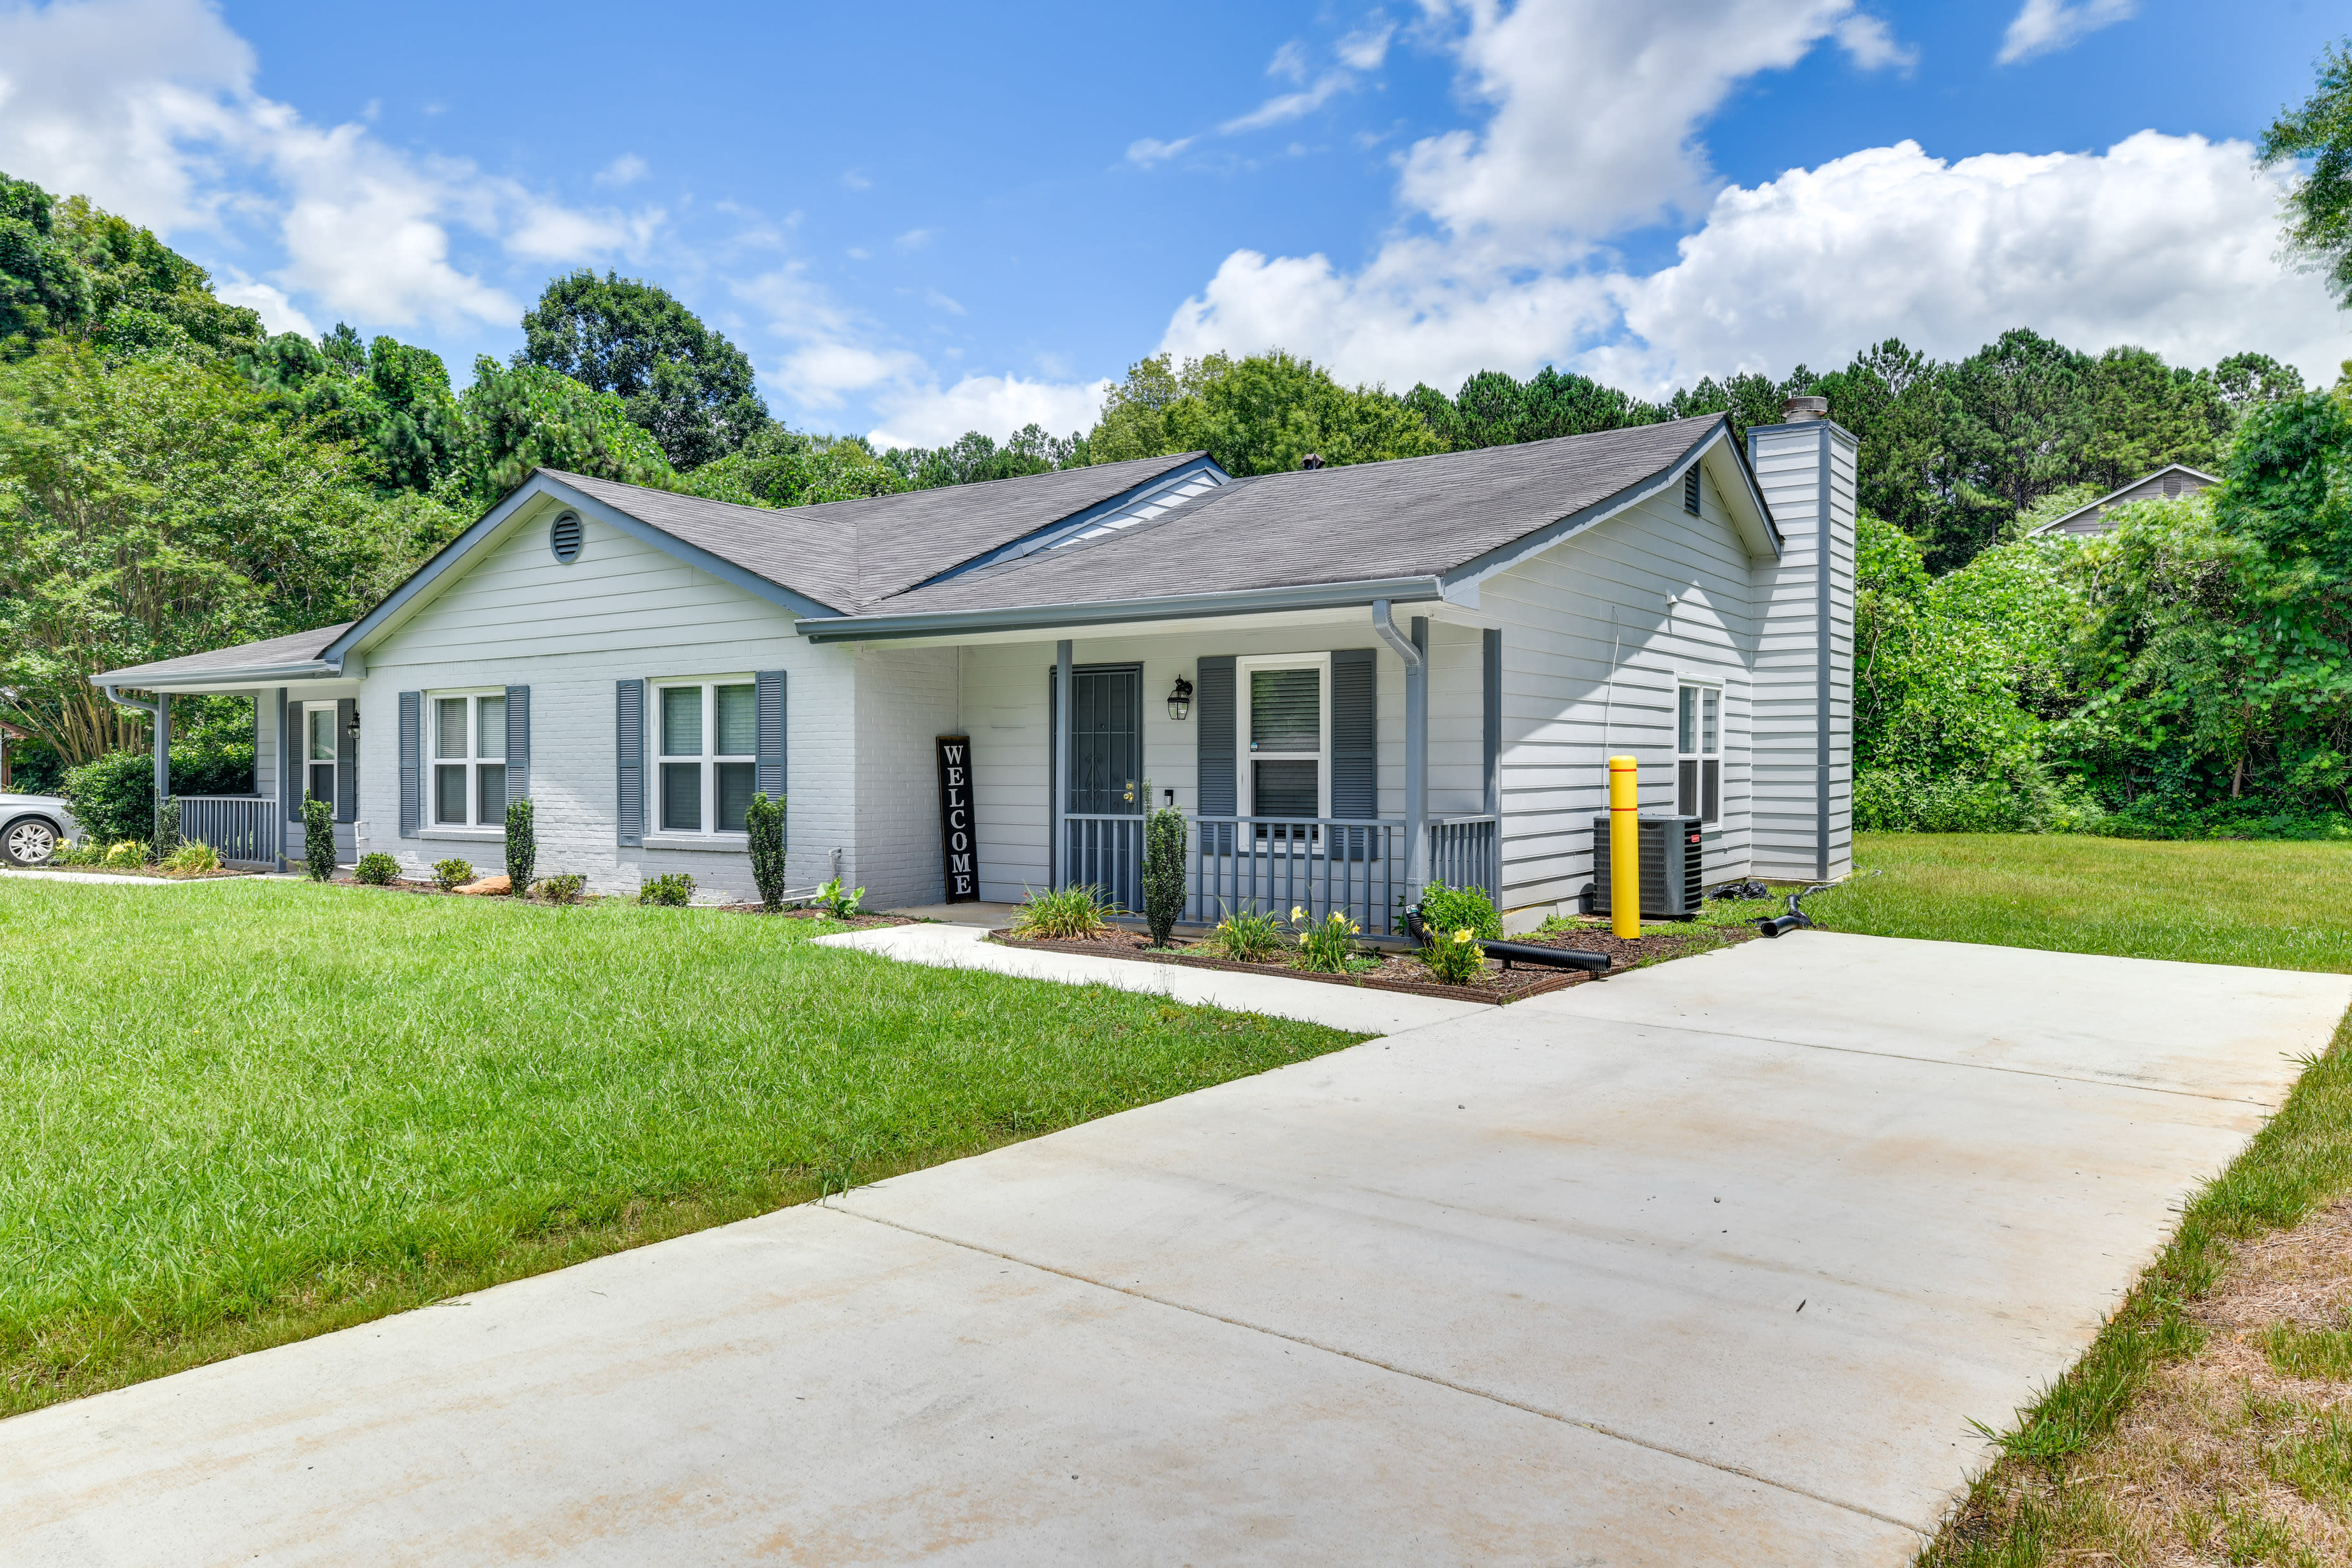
[(1416, 764), (1056, 849)]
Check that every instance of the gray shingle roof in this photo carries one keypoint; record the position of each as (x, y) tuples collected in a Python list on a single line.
[(270, 653), (849, 554), (1413, 517)]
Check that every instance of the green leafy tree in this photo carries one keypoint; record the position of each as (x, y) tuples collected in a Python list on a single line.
[(1494, 409), (687, 386), (2247, 380), (42, 288), (974, 457), (389, 399), (153, 508), (778, 467), (69, 270), (2141, 415), (2319, 207), (514, 419), (1750, 398), (1258, 414)]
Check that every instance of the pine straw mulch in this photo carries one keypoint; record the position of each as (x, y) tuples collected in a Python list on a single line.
[(2225, 1456), (1385, 970)]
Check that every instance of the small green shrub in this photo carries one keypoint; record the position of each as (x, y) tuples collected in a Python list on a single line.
[(522, 846), (167, 828), (675, 889), (1326, 946), (317, 839), (82, 851), (1246, 936), (1454, 957), (450, 874), (566, 888), (1163, 869), (191, 859), (1064, 913), (1459, 908), (765, 823), (113, 796), (840, 904), (378, 869), (126, 852)]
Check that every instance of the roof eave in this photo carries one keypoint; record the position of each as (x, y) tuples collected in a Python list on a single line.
[(148, 679), (1111, 612)]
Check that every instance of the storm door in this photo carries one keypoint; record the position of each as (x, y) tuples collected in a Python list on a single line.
[(1106, 719)]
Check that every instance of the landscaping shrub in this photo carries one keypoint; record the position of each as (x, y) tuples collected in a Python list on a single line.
[(318, 839), (167, 828), (113, 796), (125, 852), (765, 823), (1326, 947), (565, 887), (1063, 912), (675, 889), (1449, 909), (1246, 936), (377, 870), (82, 851), (451, 874), (190, 858), (1454, 957), (840, 904), (522, 846), (1163, 869)]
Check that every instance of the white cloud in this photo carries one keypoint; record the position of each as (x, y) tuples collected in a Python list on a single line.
[(2044, 27), (2167, 242), (277, 312), (1595, 112), (1358, 53), (851, 180), (148, 107), (939, 301), (1872, 44), (625, 170), (1150, 150), (996, 406), (1367, 46)]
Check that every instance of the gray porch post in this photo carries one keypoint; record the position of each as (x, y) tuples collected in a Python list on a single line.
[(162, 761), (1057, 849), (1416, 764)]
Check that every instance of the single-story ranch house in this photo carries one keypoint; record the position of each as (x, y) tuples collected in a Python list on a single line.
[(1351, 679)]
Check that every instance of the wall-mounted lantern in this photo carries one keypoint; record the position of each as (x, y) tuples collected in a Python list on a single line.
[(352, 729), (1180, 701)]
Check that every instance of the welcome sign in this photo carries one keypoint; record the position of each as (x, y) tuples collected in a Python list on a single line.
[(958, 873)]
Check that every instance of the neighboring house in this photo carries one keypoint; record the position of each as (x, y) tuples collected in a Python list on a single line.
[(1351, 678), (2168, 483)]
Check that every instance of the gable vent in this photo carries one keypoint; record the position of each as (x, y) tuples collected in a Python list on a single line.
[(1690, 491), (564, 538)]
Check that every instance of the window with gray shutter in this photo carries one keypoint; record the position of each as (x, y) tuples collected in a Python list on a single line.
[(772, 732), (412, 762), (1355, 753), (629, 747), (347, 760), (1213, 701), (517, 742)]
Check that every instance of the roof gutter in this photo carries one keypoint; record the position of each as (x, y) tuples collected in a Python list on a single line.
[(1107, 612), (1385, 630)]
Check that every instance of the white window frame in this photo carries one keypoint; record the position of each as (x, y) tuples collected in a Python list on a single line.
[(1246, 781), (710, 758), (332, 762), (1701, 686), (471, 762)]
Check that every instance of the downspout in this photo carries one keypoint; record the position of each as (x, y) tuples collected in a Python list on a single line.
[(159, 714)]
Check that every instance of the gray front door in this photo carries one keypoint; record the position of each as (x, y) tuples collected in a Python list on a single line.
[(1106, 723)]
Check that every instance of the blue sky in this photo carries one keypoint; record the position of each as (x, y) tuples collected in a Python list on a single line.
[(920, 219)]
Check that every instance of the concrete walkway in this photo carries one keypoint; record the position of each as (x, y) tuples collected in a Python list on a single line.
[(1709, 1264), (1340, 1006)]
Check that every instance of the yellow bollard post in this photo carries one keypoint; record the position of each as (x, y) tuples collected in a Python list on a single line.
[(1625, 849)]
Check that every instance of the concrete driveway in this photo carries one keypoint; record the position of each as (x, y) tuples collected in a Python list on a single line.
[(1711, 1263)]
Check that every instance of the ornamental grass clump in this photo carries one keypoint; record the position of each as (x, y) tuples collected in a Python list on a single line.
[(125, 852), (1327, 946), (1454, 957), (1246, 936), (191, 859), (1064, 913), (522, 846), (317, 839), (377, 870), (764, 822), (451, 874)]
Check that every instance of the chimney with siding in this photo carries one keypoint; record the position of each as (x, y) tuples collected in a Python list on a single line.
[(1805, 675)]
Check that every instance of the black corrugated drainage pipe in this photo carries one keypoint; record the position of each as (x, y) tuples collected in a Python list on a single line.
[(1521, 951), (1797, 919)]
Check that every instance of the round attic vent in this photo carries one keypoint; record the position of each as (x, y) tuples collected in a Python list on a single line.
[(564, 538)]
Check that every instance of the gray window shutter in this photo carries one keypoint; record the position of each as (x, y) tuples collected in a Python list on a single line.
[(1493, 690), (347, 761), (1213, 697), (412, 762), (770, 780), (289, 758), (518, 744), (1355, 720), (629, 744)]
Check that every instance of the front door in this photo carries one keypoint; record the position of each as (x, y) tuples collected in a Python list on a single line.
[(1107, 779)]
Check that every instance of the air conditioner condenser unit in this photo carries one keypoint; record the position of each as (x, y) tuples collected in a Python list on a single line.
[(1672, 850)]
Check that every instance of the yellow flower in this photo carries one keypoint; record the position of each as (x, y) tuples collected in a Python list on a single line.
[(1462, 935), (1297, 913)]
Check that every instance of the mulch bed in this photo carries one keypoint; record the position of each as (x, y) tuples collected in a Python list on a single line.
[(1403, 971), (856, 922)]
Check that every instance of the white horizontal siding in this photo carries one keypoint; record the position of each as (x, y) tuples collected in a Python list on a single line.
[(1789, 464)]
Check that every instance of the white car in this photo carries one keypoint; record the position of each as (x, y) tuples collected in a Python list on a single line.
[(32, 826)]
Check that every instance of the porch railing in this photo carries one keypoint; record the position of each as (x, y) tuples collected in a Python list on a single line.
[(1463, 853), (239, 827), (1104, 851), (1320, 864)]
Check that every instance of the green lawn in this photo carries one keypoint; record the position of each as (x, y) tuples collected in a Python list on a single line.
[(2277, 906), (239, 1113)]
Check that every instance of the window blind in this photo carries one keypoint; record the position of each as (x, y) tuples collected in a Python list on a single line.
[(1286, 709)]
